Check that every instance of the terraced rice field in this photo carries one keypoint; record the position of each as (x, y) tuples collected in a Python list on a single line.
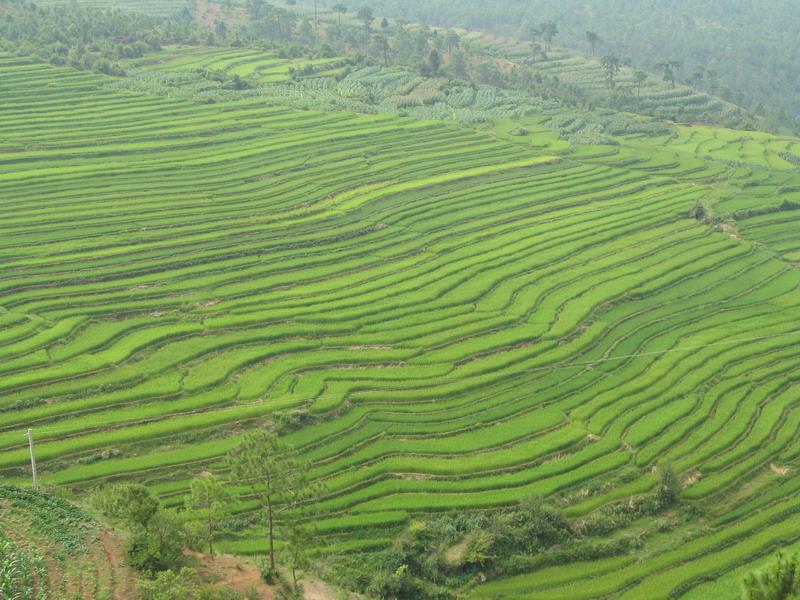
[(150, 7), (654, 96), (254, 65), (460, 321)]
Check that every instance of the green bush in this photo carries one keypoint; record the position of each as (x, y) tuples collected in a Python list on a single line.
[(159, 546), (187, 585), (532, 527), (669, 487), (779, 581), (169, 585), (131, 505)]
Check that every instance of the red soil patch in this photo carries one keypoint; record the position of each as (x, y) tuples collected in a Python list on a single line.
[(229, 571), (207, 13)]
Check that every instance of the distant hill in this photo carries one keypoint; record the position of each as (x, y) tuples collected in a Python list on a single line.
[(537, 69), (586, 78), (747, 51)]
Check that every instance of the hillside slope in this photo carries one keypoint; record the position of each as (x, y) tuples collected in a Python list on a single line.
[(572, 74), (49, 548), (452, 319), (744, 50)]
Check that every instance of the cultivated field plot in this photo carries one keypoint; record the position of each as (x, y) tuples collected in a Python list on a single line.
[(150, 7), (652, 96), (459, 321), (51, 549), (257, 66)]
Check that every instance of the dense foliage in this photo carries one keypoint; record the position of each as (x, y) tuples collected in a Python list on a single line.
[(157, 535), (780, 580), (745, 51), (85, 38), (434, 556), (414, 67)]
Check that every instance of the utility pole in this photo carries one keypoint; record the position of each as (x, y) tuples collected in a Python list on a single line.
[(33, 460), (316, 16)]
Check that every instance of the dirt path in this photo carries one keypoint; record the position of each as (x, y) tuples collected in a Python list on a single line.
[(123, 579), (314, 589)]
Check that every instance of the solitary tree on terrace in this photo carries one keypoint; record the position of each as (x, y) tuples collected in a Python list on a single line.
[(536, 51), (131, 504), (208, 497), (534, 33), (434, 61), (366, 16), (593, 40), (640, 77), (452, 40), (549, 31), (382, 47), (298, 540), (611, 64), (340, 9), (277, 477), (668, 68), (697, 78), (711, 80)]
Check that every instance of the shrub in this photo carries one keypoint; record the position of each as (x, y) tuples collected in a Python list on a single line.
[(268, 574), (186, 585), (160, 546), (401, 584), (669, 487), (532, 527), (132, 505), (779, 581), (479, 547), (169, 585)]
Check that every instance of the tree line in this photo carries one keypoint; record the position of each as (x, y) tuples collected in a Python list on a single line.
[(87, 38), (435, 52), (105, 40), (745, 52)]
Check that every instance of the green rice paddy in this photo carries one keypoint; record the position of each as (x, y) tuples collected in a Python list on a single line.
[(256, 66), (152, 7), (463, 318)]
